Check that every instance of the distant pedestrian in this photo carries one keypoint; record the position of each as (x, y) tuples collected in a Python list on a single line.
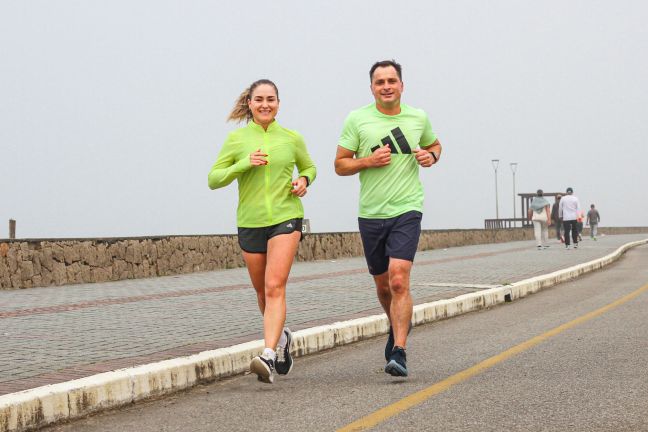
[(555, 217), (580, 222), (387, 142), (262, 157), (593, 219), (568, 210), (540, 215)]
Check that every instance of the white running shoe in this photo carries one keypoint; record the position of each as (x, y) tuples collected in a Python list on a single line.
[(264, 368)]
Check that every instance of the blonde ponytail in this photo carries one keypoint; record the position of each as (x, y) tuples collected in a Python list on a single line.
[(241, 110)]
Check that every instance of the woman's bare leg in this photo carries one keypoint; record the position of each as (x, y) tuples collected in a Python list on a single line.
[(281, 253), (256, 265)]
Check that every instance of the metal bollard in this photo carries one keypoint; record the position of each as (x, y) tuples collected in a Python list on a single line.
[(12, 229)]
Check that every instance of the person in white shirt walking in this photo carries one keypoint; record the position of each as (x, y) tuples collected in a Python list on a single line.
[(568, 210)]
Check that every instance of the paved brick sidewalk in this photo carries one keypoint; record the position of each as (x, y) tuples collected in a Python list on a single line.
[(56, 334)]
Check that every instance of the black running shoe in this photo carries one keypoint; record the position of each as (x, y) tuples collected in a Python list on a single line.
[(390, 341), (390, 344), (264, 368), (284, 361), (397, 365)]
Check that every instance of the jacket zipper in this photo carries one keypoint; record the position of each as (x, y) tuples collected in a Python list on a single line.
[(268, 204)]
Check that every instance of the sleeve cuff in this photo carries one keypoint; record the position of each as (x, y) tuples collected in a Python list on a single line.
[(243, 165)]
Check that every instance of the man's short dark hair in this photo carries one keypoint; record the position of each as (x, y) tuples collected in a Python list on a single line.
[(386, 63)]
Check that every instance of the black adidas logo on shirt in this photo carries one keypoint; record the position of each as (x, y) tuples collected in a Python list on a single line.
[(401, 141)]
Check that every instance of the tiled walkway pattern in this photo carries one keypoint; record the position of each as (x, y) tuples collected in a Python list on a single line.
[(55, 334)]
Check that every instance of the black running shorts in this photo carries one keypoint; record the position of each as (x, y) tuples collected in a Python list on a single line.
[(255, 240), (395, 237)]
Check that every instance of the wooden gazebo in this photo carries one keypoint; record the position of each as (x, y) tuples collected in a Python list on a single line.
[(525, 201)]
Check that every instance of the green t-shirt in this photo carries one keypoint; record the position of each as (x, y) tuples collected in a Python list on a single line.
[(394, 189), (264, 191)]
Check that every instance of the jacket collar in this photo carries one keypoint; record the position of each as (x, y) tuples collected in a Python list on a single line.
[(254, 126)]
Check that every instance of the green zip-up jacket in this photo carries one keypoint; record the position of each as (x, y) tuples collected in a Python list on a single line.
[(264, 191)]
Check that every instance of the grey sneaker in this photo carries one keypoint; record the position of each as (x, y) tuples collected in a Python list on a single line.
[(264, 368), (284, 361)]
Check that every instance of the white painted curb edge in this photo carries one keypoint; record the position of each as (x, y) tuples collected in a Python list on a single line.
[(34, 408)]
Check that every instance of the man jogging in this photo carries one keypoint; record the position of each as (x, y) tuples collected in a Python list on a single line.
[(386, 142)]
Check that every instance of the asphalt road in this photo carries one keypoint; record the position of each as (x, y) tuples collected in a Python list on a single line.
[(509, 368)]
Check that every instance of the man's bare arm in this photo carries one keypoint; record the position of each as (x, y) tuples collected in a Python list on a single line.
[(436, 148), (346, 164)]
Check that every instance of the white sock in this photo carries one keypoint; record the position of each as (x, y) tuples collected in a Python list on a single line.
[(283, 340), (269, 354)]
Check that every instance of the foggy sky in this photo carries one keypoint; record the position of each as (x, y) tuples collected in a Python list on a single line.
[(113, 112)]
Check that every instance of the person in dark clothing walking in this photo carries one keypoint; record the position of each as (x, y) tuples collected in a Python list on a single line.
[(556, 219), (593, 219)]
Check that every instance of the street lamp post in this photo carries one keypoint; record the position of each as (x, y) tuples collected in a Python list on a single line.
[(513, 169), (495, 163)]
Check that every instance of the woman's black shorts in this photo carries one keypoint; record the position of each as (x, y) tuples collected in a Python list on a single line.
[(255, 240)]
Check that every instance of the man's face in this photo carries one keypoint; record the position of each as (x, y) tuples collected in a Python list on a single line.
[(386, 87)]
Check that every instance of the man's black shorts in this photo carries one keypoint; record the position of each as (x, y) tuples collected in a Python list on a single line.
[(255, 240), (395, 237)]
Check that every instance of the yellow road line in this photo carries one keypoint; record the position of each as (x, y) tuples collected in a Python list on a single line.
[(414, 399)]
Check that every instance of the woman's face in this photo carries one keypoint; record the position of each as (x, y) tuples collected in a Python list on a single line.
[(264, 104)]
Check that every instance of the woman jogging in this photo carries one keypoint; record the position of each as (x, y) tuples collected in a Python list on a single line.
[(262, 157)]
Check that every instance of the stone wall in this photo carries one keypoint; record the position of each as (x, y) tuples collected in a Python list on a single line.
[(44, 262)]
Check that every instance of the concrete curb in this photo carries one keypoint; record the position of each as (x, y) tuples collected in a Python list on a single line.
[(34, 408)]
